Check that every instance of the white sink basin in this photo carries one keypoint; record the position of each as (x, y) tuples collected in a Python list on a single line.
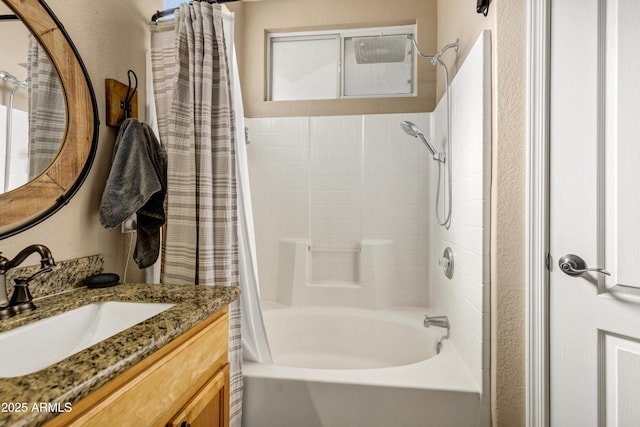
[(35, 346)]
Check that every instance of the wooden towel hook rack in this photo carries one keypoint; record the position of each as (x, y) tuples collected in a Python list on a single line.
[(122, 99)]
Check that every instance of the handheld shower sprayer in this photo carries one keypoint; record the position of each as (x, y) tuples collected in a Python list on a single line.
[(411, 129)]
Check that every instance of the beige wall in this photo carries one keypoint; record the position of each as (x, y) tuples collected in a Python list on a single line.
[(259, 17), (111, 37), (508, 217), (457, 19), (506, 20)]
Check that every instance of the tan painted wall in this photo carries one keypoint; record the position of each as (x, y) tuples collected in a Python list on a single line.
[(508, 246), (506, 20), (283, 15), (458, 19), (111, 37)]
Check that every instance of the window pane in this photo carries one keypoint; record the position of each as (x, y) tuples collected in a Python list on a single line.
[(377, 66), (304, 69)]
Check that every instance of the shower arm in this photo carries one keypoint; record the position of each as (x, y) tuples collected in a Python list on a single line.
[(435, 58), (12, 80)]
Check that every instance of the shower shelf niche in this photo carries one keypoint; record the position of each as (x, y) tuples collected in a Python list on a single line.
[(340, 265), (333, 276)]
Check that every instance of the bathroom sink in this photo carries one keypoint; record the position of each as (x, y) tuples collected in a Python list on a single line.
[(35, 346)]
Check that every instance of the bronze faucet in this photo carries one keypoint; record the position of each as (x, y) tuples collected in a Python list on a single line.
[(21, 299)]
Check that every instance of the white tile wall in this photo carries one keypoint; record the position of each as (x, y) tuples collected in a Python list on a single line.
[(395, 199), (278, 155), (465, 298), (335, 192), (337, 181)]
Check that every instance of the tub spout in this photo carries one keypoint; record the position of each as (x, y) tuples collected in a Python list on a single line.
[(439, 321)]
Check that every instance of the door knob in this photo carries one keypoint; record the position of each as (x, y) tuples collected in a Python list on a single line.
[(573, 265)]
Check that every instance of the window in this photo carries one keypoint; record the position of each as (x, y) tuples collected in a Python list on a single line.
[(363, 63), (304, 67)]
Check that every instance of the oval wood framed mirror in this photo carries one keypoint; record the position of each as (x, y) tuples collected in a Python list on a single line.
[(45, 194)]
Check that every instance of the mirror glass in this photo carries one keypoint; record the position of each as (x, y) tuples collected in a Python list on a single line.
[(32, 106)]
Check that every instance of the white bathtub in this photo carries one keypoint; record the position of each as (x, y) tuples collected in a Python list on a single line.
[(337, 367)]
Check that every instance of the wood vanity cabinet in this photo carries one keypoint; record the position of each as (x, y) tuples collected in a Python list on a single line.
[(185, 383), (207, 407)]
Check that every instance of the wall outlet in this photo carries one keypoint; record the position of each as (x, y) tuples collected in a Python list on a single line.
[(129, 225)]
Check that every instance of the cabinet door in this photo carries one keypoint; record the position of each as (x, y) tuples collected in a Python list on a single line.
[(209, 407)]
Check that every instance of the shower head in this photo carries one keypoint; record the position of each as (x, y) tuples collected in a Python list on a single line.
[(410, 128)]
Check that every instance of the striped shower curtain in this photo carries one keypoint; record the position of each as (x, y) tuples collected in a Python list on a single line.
[(196, 125), (47, 111)]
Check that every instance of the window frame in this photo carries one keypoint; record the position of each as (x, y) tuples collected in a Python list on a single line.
[(341, 35)]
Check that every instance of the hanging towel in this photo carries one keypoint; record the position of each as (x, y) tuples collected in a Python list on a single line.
[(137, 184)]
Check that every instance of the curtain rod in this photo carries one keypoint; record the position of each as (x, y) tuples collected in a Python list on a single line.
[(8, 18), (161, 14)]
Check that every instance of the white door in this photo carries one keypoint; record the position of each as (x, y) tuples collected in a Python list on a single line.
[(595, 213)]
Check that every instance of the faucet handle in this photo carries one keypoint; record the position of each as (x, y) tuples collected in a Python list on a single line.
[(24, 281), (21, 299)]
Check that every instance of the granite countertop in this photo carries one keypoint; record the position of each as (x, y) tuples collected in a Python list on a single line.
[(67, 382)]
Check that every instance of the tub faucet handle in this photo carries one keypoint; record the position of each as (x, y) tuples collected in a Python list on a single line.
[(446, 262)]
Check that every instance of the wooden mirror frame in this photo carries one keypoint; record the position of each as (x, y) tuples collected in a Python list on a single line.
[(41, 197)]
